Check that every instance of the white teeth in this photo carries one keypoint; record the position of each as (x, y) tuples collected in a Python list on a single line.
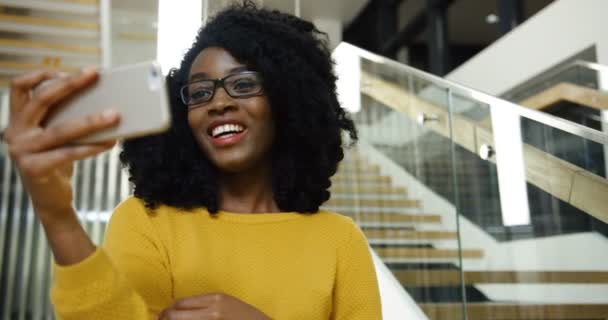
[(233, 128)]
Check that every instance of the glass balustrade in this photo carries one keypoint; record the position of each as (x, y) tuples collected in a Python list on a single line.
[(516, 197)]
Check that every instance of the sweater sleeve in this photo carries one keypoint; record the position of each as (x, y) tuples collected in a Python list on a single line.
[(356, 294), (128, 278)]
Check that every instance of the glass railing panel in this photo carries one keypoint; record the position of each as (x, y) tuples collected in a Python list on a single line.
[(540, 220), (405, 136), (575, 92), (529, 189)]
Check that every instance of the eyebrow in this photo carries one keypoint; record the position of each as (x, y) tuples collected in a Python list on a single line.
[(203, 75)]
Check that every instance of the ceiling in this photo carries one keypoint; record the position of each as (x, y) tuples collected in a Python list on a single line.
[(344, 10), (467, 18)]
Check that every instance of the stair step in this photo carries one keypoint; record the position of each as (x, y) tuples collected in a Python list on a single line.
[(47, 22), (355, 160), (395, 217), (401, 203), (49, 47), (363, 189), (427, 253), (504, 311), (422, 277), (358, 179), (386, 225), (395, 237), (359, 168), (350, 211), (15, 67)]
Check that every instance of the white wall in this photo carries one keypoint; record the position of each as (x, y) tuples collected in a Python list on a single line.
[(556, 33)]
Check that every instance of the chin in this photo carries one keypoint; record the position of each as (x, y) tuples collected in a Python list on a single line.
[(233, 164)]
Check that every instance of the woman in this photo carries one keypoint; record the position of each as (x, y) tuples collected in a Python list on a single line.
[(224, 222)]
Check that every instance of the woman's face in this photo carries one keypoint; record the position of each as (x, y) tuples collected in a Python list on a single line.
[(236, 134)]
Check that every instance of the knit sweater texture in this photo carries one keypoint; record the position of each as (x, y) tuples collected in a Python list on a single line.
[(288, 265)]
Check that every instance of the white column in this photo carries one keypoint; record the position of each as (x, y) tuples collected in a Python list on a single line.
[(205, 11), (105, 23), (296, 8), (332, 27)]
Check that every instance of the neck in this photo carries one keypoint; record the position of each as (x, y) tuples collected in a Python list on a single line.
[(247, 192)]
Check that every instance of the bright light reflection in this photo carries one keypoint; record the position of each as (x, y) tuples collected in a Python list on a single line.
[(178, 22), (348, 70), (510, 166)]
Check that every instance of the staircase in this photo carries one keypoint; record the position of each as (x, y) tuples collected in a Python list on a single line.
[(61, 35), (424, 255)]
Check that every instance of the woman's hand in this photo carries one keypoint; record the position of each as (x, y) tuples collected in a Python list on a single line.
[(213, 306), (44, 155)]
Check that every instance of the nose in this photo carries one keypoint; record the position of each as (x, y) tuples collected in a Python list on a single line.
[(221, 102)]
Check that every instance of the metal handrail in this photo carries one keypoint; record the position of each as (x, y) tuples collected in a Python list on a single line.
[(576, 63), (492, 101)]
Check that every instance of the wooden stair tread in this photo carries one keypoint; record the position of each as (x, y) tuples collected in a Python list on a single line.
[(421, 218), (409, 235), (355, 159), (406, 203), (504, 311), (363, 189), (428, 253), (362, 169), (353, 179), (386, 226), (29, 44), (24, 66), (565, 91), (423, 277), (395, 217), (47, 22)]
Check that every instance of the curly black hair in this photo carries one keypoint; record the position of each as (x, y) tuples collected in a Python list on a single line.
[(296, 65)]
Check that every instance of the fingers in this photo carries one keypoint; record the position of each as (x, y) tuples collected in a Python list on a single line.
[(69, 131), (21, 86), (59, 90), (40, 164), (41, 139), (200, 301), (198, 314)]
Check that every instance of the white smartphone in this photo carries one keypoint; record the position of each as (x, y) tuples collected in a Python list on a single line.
[(137, 92)]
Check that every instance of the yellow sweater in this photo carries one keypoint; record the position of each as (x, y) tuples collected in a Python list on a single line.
[(288, 265)]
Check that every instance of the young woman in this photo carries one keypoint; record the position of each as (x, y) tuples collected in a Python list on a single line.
[(224, 222)]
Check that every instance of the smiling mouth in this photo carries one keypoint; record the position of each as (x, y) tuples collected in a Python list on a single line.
[(227, 134), (226, 130)]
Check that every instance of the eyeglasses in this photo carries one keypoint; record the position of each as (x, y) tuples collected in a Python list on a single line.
[(239, 85)]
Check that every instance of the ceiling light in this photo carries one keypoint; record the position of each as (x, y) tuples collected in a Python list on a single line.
[(492, 18)]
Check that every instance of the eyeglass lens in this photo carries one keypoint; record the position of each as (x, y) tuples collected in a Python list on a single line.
[(237, 85)]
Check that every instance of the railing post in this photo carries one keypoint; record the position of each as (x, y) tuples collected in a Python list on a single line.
[(437, 36), (105, 32), (510, 13)]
